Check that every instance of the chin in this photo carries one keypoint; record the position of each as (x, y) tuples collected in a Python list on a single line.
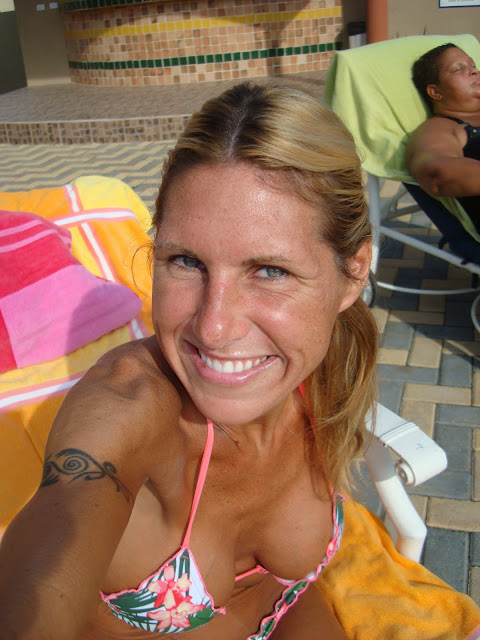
[(232, 412)]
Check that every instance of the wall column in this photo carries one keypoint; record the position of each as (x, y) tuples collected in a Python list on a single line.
[(377, 20)]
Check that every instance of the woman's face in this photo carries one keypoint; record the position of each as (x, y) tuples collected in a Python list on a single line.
[(458, 80), (245, 292)]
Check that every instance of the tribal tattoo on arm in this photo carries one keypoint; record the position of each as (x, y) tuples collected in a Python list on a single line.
[(80, 465)]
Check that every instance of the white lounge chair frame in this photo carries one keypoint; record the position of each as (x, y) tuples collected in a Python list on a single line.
[(380, 214), (419, 459)]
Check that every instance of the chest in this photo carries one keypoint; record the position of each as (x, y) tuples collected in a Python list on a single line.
[(267, 518), (472, 145)]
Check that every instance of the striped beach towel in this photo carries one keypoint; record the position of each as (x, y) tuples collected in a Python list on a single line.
[(50, 304)]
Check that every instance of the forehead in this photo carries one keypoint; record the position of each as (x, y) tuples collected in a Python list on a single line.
[(452, 55), (241, 192), (240, 208)]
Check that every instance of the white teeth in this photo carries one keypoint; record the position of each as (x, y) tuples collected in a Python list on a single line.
[(217, 366), (230, 366)]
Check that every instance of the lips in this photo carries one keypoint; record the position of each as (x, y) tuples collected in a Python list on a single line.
[(231, 366)]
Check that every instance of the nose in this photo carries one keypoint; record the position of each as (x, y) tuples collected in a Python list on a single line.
[(221, 315)]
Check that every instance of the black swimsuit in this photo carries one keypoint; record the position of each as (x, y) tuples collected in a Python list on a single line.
[(471, 204)]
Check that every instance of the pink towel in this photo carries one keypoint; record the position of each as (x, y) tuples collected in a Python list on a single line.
[(50, 304)]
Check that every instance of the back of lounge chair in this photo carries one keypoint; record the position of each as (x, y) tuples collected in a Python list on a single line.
[(371, 89)]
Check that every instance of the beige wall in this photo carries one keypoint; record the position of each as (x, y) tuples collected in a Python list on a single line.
[(415, 17), (42, 42)]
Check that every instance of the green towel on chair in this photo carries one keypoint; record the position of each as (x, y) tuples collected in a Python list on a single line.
[(371, 90)]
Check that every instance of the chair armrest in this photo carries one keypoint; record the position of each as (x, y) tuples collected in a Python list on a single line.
[(420, 457), (410, 528)]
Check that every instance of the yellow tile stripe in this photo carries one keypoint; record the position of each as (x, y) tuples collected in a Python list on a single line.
[(205, 23)]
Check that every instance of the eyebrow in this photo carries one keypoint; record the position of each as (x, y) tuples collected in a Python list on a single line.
[(261, 259), (268, 259), (171, 246), (470, 61)]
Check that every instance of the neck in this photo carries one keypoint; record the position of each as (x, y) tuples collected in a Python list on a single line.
[(271, 430), (469, 114)]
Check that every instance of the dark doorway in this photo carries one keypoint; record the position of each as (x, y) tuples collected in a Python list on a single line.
[(12, 71)]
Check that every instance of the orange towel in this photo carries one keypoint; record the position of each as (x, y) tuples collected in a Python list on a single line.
[(108, 223), (378, 594)]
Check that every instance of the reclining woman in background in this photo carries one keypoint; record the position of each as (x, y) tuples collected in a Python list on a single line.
[(191, 480), (444, 152)]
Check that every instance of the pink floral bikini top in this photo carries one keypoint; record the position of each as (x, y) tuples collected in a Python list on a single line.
[(175, 598)]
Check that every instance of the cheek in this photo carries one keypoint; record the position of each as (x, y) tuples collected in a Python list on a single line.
[(307, 325), (171, 303)]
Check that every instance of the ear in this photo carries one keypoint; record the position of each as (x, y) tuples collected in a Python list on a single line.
[(434, 92), (359, 267)]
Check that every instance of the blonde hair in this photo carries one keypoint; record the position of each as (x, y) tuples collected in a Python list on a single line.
[(291, 134)]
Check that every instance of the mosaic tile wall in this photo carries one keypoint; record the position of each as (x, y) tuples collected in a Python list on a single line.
[(87, 131), (209, 40)]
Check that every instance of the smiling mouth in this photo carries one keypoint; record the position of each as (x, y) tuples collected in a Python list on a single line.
[(231, 366)]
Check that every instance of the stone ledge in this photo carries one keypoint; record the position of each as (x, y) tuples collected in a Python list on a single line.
[(158, 128)]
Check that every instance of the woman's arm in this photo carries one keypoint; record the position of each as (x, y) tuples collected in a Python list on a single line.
[(310, 618), (55, 554), (435, 159)]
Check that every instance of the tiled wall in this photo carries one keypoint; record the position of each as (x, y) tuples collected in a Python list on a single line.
[(208, 40)]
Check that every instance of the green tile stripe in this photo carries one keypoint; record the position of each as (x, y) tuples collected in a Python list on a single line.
[(163, 63), (79, 5)]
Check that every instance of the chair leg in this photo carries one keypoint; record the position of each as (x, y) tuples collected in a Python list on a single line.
[(408, 524), (369, 293), (373, 187), (473, 313)]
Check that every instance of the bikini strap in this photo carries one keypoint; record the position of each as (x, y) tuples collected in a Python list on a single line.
[(457, 120), (202, 474)]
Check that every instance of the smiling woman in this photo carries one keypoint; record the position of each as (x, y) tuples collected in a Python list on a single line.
[(444, 152), (249, 299), (295, 153), (228, 435)]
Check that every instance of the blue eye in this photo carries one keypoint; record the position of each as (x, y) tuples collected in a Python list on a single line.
[(271, 272), (187, 262)]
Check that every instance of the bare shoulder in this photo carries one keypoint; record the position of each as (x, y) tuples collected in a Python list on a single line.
[(435, 142), (125, 405), (436, 135), (132, 363)]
